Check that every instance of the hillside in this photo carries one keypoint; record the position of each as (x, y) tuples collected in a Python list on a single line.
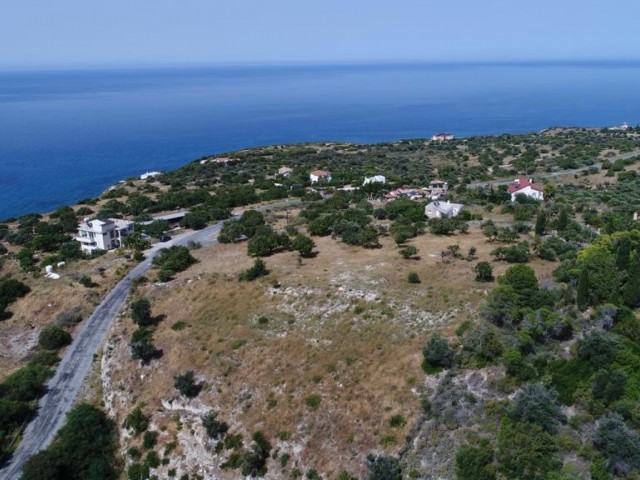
[(380, 337)]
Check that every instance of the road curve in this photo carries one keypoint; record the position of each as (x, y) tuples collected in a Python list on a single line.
[(63, 388)]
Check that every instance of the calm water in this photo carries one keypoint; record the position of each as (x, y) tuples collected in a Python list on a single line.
[(68, 135)]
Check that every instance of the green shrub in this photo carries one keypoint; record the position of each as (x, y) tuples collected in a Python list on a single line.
[(187, 385), (84, 449), (382, 467), (259, 269), (397, 421), (175, 258), (437, 354), (53, 337), (215, 428), (484, 272), (535, 404), (137, 421), (413, 278), (619, 443), (475, 463), (141, 312), (313, 401), (149, 439)]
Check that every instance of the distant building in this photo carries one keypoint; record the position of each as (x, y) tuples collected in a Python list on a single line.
[(318, 175), (525, 186), (285, 171), (443, 209), (624, 127), (375, 179), (407, 192), (438, 189), (103, 234), (441, 137), (146, 175)]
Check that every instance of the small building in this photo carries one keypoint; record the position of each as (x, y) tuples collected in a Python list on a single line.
[(320, 175), (525, 186), (443, 209), (407, 192), (146, 175), (441, 137), (438, 189), (103, 234), (285, 171), (375, 179)]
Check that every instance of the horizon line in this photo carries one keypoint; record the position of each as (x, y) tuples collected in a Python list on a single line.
[(315, 63)]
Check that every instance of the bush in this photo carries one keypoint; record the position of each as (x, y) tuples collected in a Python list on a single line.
[(436, 353), (52, 338), (409, 252), (475, 463), (382, 467), (303, 244), (526, 451), (619, 444), (484, 272), (84, 449), (313, 401), (598, 349), (176, 259), (215, 428), (537, 404), (413, 278), (149, 439), (259, 269), (142, 347), (186, 385), (141, 312), (137, 421)]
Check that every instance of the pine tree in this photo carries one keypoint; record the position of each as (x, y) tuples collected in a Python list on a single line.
[(623, 252), (631, 293), (541, 223), (582, 296), (563, 220)]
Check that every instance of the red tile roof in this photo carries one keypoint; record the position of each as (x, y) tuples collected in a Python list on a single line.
[(521, 183), (321, 173)]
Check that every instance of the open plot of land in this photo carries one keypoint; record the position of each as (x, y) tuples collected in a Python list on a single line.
[(319, 355)]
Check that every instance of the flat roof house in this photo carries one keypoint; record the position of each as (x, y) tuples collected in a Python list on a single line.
[(318, 175), (375, 179), (102, 234), (443, 209), (525, 186)]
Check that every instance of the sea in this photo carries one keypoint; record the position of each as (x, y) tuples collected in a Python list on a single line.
[(68, 135)]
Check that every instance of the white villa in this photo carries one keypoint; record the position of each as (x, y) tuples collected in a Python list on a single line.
[(146, 175), (443, 209), (318, 175), (525, 186), (103, 234), (442, 137), (375, 179)]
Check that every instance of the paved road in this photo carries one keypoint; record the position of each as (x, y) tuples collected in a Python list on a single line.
[(560, 173), (74, 367)]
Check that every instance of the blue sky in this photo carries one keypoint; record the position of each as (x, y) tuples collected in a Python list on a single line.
[(86, 33)]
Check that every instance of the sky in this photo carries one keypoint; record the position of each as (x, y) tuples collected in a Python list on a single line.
[(41, 34)]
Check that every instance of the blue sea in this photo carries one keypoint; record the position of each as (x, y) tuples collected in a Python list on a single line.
[(68, 135)]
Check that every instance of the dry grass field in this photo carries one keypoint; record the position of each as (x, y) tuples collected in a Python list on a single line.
[(48, 300), (319, 355)]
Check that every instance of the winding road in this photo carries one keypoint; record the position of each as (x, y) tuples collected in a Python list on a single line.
[(63, 388)]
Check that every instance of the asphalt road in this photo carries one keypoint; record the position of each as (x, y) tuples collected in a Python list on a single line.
[(63, 388)]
